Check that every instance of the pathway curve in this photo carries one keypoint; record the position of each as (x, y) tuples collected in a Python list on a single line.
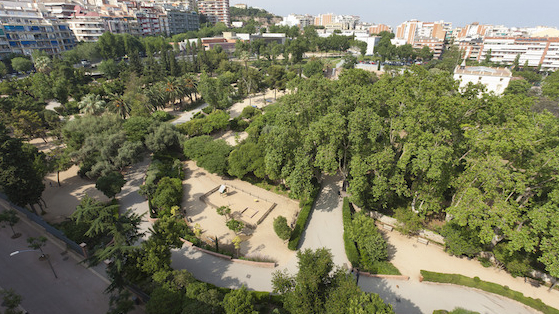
[(187, 115)]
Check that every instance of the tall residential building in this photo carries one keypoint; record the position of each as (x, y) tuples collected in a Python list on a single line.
[(324, 19), (215, 10), (409, 30), (376, 29), (24, 29), (179, 19), (420, 34)]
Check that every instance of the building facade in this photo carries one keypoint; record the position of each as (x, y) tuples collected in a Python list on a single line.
[(494, 79), (534, 51), (215, 11), (24, 29)]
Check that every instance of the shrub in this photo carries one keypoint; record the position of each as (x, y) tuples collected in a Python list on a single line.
[(485, 262), (208, 109), (281, 228), (162, 116), (235, 225), (350, 248), (168, 194), (372, 246), (301, 221)]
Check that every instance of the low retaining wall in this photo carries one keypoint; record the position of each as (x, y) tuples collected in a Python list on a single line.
[(234, 260), (266, 214), (227, 257), (401, 277), (253, 263), (209, 192)]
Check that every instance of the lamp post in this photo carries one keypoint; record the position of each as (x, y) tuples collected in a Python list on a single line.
[(43, 256)]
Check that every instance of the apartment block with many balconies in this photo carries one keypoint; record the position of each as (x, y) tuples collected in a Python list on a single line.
[(24, 29)]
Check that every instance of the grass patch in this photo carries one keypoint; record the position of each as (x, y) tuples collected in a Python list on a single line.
[(489, 287), (383, 268), (301, 222)]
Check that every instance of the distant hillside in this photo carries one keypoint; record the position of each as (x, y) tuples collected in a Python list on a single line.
[(259, 15)]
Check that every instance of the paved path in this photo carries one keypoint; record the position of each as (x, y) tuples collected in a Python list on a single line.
[(412, 297), (187, 115), (325, 228), (129, 197)]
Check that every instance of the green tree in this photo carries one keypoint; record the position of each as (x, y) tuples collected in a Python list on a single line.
[(110, 184), (11, 300), (10, 218), (313, 67), (235, 225), (37, 243), (18, 177), (92, 104), (110, 68), (163, 138), (238, 301), (21, 64), (518, 87)]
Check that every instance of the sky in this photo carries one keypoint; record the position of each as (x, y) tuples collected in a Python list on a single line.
[(511, 13)]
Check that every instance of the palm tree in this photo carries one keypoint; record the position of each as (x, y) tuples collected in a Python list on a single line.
[(120, 105), (92, 104)]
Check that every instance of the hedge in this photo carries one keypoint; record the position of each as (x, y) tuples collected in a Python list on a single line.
[(489, 287), (350, 247), (302, 221)]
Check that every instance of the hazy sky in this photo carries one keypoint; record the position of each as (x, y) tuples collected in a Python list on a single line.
[(393, 12)]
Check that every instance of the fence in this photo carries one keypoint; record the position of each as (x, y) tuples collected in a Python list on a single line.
[(48, 228)]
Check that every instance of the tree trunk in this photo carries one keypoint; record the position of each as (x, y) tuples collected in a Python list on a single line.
[(58, 178)]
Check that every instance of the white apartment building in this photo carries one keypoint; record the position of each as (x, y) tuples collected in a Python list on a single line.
[(215, 10), (495, 79), (297, 20), (535, 51)]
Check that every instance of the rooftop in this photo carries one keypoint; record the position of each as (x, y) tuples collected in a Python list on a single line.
[(481, 70)]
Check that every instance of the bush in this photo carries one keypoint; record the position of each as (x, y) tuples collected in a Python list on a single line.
[(208, 109), (209, 154), (281, 228), (235, 225), (301, 221), (161, 116), (372, 246), (168, 194), (350, 248), (489, 287)]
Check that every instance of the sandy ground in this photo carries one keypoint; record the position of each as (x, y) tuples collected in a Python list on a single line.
[(231, 137), (259, 100), (62, 200), (410, 256), (263, 242)]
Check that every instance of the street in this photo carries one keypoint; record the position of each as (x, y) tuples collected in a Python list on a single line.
[(77, 289)]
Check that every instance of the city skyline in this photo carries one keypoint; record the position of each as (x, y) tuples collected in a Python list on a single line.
[(512, 13)]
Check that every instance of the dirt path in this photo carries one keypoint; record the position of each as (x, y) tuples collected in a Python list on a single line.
[(259, 100)]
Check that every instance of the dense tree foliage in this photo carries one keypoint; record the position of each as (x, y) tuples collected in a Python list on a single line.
[(318, 288)]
